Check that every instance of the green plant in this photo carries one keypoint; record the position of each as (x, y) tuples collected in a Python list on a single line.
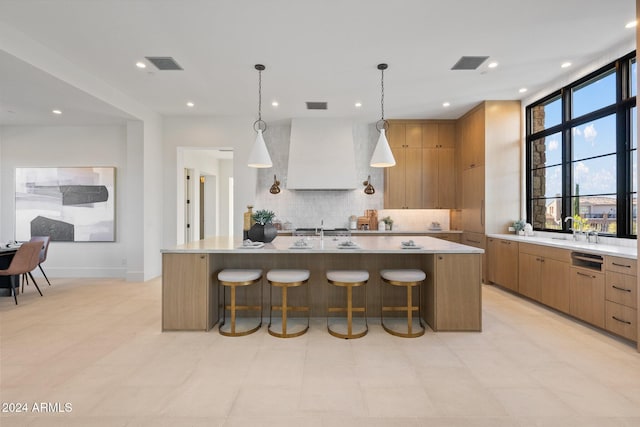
[(519, 225), (387, 220), (263, 216)]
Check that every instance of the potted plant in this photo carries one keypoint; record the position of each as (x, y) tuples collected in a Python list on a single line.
[(388, 223), (263, 230), (518, 226)]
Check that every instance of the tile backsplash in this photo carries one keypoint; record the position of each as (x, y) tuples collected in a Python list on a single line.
[(308, 208)]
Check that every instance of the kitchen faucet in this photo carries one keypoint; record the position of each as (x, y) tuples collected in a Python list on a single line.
[(322, 229), (573, 228)]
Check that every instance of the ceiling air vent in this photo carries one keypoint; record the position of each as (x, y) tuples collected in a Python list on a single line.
[(164, 63), (316, 105), (469, 62)]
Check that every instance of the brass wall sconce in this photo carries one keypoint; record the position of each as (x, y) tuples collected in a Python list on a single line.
[(275, 188), (368, 188)]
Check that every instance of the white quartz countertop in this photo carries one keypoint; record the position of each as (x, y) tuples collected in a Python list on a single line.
[(567, 242), (365, 244)]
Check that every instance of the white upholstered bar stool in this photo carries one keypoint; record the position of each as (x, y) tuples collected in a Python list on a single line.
[(409, 278), (232, 279), (285, 279), (348, 279)]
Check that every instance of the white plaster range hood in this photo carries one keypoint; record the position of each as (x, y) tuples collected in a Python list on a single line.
[(321, 155)]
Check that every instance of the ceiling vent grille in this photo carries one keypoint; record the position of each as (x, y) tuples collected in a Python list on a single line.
[(469, 62), (164, 63), (316, 105)]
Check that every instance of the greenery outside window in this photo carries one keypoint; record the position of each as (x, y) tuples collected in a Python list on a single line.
[(581, 154)]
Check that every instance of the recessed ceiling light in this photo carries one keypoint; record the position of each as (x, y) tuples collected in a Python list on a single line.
[(566, 64), (358, 104), (522, 90), (190, 104), (275, 103), (446, 104), (141, 64), (56, 111), (631, 24), (493, 65)]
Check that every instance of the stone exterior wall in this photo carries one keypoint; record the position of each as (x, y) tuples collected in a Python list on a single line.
[(538, 153)]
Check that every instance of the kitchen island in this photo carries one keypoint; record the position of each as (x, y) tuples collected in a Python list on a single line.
[(451, 299)]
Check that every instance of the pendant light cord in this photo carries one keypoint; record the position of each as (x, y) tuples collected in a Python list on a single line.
[(259, 95), (382, 93)]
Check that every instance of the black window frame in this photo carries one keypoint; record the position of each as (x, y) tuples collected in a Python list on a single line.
[(622, 109)]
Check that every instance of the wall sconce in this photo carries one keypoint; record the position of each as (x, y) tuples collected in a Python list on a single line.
[(275, 188), (368, 188)]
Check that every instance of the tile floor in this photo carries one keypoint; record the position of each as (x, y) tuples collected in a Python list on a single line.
[(97, 345)]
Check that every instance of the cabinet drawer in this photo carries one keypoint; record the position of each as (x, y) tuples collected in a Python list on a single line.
[(622, 289), (546, 252), (621, 265), (621, 320)]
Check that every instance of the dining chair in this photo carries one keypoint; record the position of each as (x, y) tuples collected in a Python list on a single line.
[(24, 261), (43, 252)]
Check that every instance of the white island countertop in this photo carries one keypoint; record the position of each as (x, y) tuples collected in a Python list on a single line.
[(567, 242), (366, 244)]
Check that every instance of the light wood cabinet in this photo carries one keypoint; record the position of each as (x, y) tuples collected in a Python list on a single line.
[(489, 141), (453, 299), (473, 202), (477, 240), (502, 263), (621, 297), (424, 175), (587, 296), (186, 292), (544, 275)]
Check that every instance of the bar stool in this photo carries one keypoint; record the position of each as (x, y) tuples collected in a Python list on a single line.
[(234, 278), (285, 279), (349, 279), (409, 279)]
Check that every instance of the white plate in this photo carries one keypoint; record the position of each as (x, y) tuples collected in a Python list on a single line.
[(255, 245), (411, 247), (348, 247), (301, 247)]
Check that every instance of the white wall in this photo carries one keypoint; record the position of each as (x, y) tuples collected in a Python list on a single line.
[(202, 132), (42, 146)]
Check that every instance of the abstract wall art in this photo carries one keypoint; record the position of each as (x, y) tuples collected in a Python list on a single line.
[(68, 204)]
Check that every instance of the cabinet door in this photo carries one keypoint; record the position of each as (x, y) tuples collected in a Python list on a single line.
[(503, 263), (413, 135), (394, 181), (457, 292), (587, 296), (446, 178), (430, 135), (446, 135), (413, 178), (396, 135), (556, 276), (473, 200), (430, 185), (530, 275), (185, 292)]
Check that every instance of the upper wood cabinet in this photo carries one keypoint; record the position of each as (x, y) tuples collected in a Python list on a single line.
[(424, 175)]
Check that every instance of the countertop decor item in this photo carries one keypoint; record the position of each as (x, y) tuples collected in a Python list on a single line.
[(263, 230), (388, 223), (259, 156), (382, 155)]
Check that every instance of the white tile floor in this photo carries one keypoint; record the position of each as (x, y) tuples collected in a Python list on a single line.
[(97, 345)]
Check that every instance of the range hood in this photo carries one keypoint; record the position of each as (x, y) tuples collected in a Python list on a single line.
[(321, 155)]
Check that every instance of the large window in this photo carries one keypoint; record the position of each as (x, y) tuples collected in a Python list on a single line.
[(581, 153)]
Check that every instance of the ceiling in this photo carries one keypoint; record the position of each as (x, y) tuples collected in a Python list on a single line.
[(313, 51)]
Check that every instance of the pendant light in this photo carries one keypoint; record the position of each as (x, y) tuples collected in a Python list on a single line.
[(368, 187), (382, 155), (275, 188), (259, 156)]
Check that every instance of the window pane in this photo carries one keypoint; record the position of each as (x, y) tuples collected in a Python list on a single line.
[(597, 212), (547, 151), (546, 115), (634, 79), (547, 213), (634, 214), (634, 127), (595, 176), (594, 94), (594, 138), (634, 169), (547, 182)]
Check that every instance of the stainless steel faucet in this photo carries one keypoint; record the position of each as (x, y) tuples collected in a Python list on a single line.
[(594, 234), (573, 227), (322, 229)]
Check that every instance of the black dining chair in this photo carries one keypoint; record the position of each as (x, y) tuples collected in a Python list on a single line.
[(24, 261)]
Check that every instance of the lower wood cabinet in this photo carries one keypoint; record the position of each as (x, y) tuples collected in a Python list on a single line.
[(621, 320), (502, 263), (587, 295), (554, 290), (544, 275)]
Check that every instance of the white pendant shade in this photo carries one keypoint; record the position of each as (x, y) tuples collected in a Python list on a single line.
[(259, 157), (382, 155)]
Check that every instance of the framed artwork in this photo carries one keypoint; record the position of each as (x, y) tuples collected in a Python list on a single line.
[(67, 204)]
